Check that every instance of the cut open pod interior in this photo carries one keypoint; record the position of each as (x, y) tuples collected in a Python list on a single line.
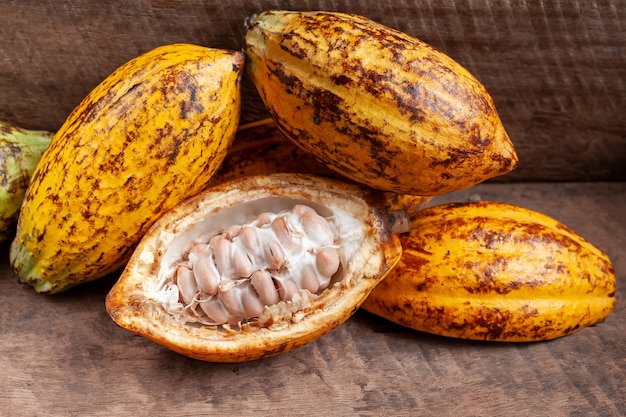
[(163, 296)]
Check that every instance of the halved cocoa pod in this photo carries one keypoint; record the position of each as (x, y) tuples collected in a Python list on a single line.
[(257, 266)]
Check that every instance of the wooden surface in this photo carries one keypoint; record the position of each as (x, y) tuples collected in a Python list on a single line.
[(63, 356), (556, 70)]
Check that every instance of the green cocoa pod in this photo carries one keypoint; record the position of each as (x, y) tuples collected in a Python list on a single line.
[(20, 151)]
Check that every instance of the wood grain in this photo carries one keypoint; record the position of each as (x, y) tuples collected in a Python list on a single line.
[(63, 356), (556, 70)]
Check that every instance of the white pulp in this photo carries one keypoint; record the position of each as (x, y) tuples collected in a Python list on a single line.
[(237, 272)]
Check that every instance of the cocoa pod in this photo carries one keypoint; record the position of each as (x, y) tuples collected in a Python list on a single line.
[(374, 104), (495, 271), (150, 135), (20, 151)]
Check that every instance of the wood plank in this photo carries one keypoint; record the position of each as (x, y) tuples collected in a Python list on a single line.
[(63, 356)]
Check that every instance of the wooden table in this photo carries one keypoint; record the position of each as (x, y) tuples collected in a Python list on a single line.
[(63, 356), (556, 71)]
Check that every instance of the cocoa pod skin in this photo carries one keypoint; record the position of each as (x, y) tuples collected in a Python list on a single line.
[(496, 272), (145, 300), (151, 134), (375, 104)]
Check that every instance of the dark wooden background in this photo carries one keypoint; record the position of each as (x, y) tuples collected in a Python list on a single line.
[(556, 70)]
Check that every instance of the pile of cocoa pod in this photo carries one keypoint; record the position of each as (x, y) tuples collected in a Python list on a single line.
[(235, 243)]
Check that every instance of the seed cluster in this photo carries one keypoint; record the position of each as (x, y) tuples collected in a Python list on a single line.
[(239, 271)]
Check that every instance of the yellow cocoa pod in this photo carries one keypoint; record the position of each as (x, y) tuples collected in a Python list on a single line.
[(374, 104), (261, 148), (256, 267), (495, 271), (149, 136)]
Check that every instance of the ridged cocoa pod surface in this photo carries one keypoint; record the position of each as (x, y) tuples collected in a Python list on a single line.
[(374, 104), (151, 134), (495, 271), (239, 272), (261, 148)]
